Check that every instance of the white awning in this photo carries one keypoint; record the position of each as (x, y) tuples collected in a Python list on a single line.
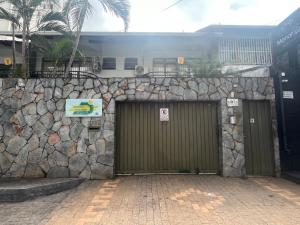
[(9, 38)]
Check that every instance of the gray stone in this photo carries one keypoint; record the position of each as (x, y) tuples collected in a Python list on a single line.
[(44, 164), (21, 120), (29, 109), (58, 172), (33, 171), (26, 132), (35, 156), (76, 130), (68, 148), (103, 89), (107, 159), (2, 147), (49, 149), (111, 106), (81, 146), (47, 120), (58, 93), (41, 107), (193, 85), (189, 95), (74, 94), (59, 82), (15, 144), (31, 119), (48, 82), (177, 90), (86, 173), (60, 159), (39, 89), (60, 105), (142, 95), (27, 98), (13, 103), (48, 94), (4, 162), (215, 96), (66, 121), (113, 87), (77, 163), (58, 115), (121, 98), (99, 171), (1, 131), (56, 126), (16, 170), (9, 83), (22, 157), (93, 136), (89, 84), (108, 135), (67, 90), (130, 92), (30, 85), (100, 147), (203, 88), (39, 128), (33, 142), (64, 133), (51, 106)]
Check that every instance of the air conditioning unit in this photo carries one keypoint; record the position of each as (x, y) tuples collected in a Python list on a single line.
[(140, 70)]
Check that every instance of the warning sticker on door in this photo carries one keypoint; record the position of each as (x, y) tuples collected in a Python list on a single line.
[(164, 114)]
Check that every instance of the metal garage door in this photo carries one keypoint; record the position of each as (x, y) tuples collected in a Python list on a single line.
[(186, 143), (259, 151)]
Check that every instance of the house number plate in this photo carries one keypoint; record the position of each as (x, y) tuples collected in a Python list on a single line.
[(164, 114)]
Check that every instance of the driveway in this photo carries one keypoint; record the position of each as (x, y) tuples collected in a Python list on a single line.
[(164, 199)]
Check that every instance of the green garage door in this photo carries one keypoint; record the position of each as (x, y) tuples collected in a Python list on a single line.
[(187, 142), (259, 151)]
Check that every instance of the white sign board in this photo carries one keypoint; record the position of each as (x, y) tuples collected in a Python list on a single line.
[(164, 114), (231, 102), (288, 94)]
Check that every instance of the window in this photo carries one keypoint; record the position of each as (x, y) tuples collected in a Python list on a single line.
[(249, 51), (109, 64), (130, 63), (165, 66)]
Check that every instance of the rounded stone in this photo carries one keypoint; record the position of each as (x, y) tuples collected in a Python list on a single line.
[(53, 139)]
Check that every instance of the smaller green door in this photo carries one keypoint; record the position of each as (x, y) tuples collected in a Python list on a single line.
[(259, 150)]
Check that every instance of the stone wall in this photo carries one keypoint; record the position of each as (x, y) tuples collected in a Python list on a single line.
[(37, 139)]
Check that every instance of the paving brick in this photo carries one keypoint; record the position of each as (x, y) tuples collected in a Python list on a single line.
[(164, 200)]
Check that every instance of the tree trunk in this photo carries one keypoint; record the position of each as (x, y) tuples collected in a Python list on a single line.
[(75, 47), (14, 49), (24, 62), (27, 49)]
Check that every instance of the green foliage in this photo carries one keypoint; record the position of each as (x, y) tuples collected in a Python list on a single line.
[(23, 15), (203, 67)]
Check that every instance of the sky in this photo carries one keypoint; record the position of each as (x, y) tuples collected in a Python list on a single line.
[(191, 15)]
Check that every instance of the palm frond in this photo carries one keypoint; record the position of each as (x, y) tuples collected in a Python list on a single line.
[(40, 43), (52, 16), (119, 8), (52, 26), (5, 15)]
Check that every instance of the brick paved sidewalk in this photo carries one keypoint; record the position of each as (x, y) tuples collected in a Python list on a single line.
[(166, 200)]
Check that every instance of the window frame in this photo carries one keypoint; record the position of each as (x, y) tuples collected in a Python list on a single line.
[(130, 65), (109, 65)]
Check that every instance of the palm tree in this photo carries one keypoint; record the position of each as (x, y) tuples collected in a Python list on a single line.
[(77, 10), (15, 23), (24, 16)]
